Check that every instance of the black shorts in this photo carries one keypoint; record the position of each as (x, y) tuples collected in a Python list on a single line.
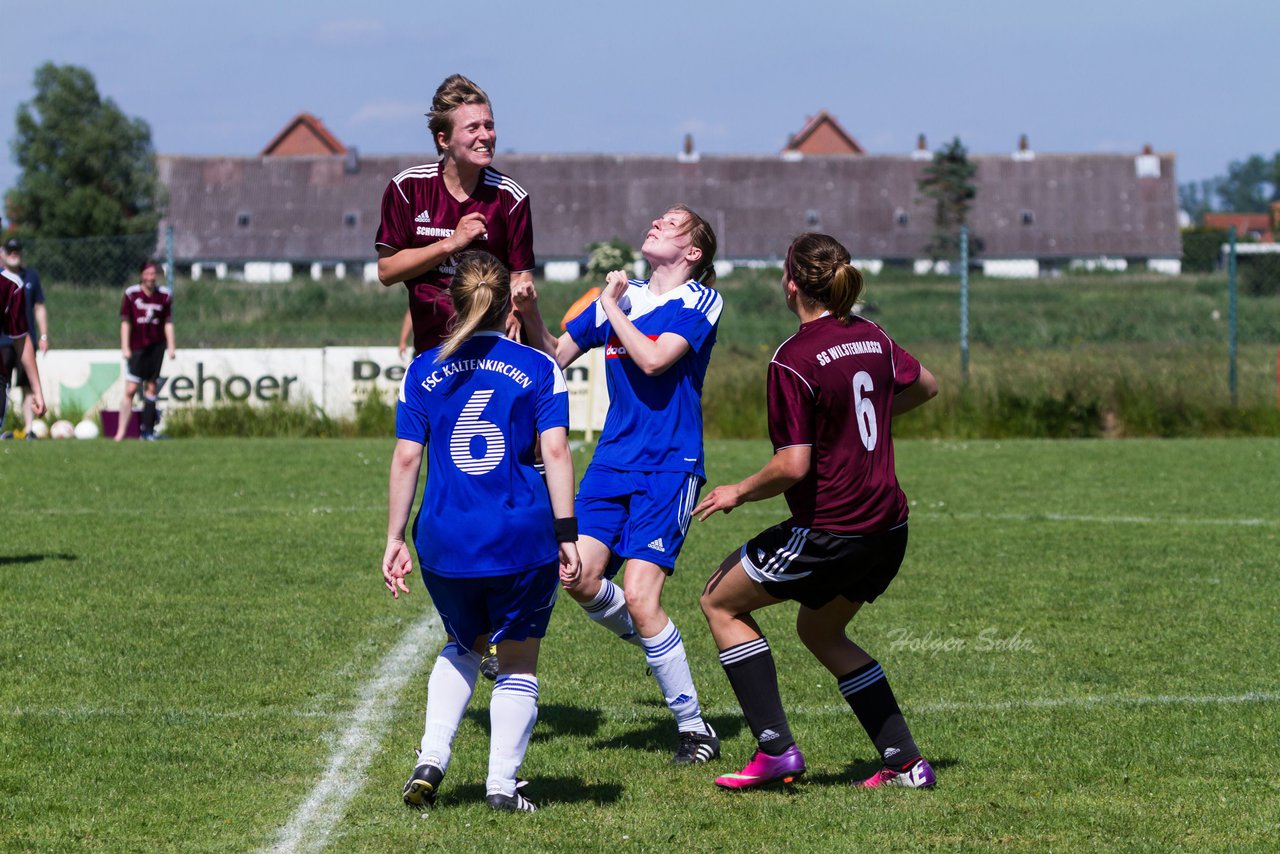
[(144, 364), (9, 363), (813, 567)]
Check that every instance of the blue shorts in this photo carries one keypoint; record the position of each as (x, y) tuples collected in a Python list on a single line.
[(641, 515), (504, 607)]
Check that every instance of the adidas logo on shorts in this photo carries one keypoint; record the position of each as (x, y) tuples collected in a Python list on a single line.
[(425, 216), (656, 545)]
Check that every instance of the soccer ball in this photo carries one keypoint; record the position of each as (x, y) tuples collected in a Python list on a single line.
[(62, 429), (39, 429), (86, 429)]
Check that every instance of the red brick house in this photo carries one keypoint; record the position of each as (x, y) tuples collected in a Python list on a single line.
[(304, 135), (822, 134)]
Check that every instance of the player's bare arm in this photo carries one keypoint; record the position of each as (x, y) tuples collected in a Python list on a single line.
[(515, 323), (406, 461), (42, 322), (397, 265), (33, 374), (406, 333), (524, 305), (918, 393), (563, 349), (652, 357), (558, 460), (786, 468)]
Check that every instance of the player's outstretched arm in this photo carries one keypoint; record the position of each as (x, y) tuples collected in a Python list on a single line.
[(524, 301), (406, 461), (918, 393), (524, 304), (652, 357), (786, 468)]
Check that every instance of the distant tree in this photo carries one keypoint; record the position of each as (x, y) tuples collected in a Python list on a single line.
[(948, 180), (1196, 197), (1250, 185), (87, 170)]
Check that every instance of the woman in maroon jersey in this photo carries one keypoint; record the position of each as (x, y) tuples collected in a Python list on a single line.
[(146, 329), (433, 212), (834, 388)]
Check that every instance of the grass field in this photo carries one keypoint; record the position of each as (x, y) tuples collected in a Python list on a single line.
[(198, 655)]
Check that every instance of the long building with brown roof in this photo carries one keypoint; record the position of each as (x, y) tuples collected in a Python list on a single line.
[(268, 217)]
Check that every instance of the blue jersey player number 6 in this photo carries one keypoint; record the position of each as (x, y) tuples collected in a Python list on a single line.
[(471, 426)]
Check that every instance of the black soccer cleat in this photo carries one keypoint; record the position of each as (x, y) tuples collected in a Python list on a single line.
[(423, 786), (696, 748), (510, 803), (489, 663)]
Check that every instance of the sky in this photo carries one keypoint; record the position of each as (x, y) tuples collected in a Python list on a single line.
[(1185, 76)]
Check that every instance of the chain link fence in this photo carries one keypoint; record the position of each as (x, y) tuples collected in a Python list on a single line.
[(84, 279)]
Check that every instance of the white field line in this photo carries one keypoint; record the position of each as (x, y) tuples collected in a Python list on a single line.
[(1105, 700), (160, 713), (640, 711), (310, 826), (1170, 521), (945, 706), (749, 510)]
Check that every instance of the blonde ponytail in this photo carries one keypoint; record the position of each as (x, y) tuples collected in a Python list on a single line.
[(481, 292)]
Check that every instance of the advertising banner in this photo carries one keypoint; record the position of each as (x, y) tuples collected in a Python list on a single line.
[(332, 378)]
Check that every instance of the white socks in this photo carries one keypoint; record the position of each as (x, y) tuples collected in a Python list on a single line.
[(609, 609), (665, 654), (513, 710), (453, 679)]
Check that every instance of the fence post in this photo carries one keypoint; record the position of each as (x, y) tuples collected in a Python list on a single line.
[(1231, 312), (964, 305), (168, 253)]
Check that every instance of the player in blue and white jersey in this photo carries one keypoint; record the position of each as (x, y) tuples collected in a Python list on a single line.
[(637, 495), (490, 533)]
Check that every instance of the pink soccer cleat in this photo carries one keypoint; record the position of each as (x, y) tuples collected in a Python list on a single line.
[(918, 776), (764, 769)]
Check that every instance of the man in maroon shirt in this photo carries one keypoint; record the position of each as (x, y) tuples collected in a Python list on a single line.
[(834, 388), (146, 327), (13, 323), (431, 213)]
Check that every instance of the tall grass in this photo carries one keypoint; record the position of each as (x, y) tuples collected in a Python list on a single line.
[(374, 417), (1074, 356)]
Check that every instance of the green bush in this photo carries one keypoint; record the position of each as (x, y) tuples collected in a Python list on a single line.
[(605, 256), (1259, 275), (1202, 249)]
